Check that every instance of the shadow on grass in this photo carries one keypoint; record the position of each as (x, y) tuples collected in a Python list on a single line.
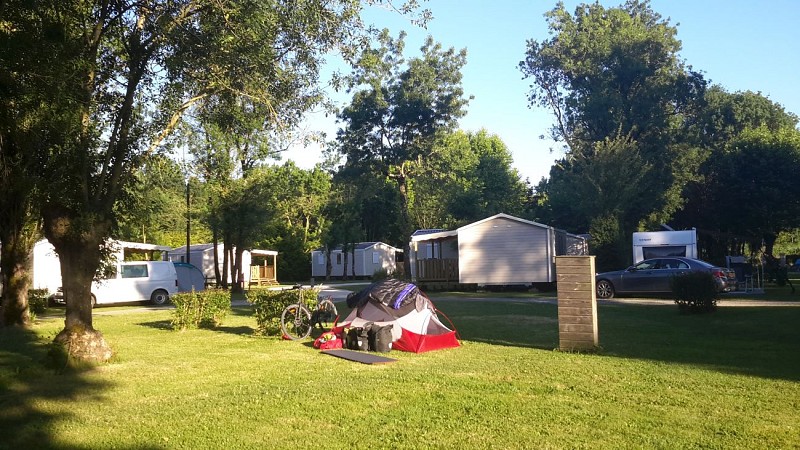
[(26, 385), (242, 330), (757, 341)]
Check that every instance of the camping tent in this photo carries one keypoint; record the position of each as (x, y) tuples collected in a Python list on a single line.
[(415, 325), (190, 278)]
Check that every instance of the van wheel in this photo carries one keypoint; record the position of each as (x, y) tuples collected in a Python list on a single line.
[(159, 297), (93, 300)]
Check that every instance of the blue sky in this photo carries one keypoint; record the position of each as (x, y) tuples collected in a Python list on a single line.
[(738, 44)]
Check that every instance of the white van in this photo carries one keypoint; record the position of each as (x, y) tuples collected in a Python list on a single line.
[(134, 281)]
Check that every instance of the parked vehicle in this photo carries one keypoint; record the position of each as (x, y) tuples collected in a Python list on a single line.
[(133, 281), (662, 244), (653, 276)]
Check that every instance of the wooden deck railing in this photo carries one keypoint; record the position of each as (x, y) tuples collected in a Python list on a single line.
[(437, 270), (262, 275)]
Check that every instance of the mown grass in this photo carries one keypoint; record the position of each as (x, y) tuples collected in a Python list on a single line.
[(660, 380)]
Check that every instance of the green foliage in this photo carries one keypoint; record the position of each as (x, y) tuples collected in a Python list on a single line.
[(268, 304), (37, 300), (467, 177), (204, 309), (622, 99), (294, 262), (157, 210), (381, 274), (610, 71), (609, 243), (788, 243), (746, 184), (695, 292), (398, 110)]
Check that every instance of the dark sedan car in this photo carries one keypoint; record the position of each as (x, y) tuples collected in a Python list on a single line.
[(652, 276)]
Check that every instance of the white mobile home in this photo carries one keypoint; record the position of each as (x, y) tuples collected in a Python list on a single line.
[(47, 268), (258, 266), (366, 259), (498, 250)]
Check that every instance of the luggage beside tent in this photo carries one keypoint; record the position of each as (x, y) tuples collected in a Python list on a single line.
[(415, 324)]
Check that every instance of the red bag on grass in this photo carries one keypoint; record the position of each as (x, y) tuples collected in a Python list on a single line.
[(328, 340)]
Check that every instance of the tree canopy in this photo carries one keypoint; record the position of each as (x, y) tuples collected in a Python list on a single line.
[(119, 76)]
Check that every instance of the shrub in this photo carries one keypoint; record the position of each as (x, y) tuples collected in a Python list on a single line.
[(268, 304), (37, 300), (204, 309), (382, 274), (695, 292)]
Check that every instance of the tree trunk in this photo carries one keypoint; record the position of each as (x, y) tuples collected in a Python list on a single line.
[(328, 264), (238, 286), (769, 243), (215, 242), (79, 256), (344, 255), (406, 218), (225, 263), (15, 263)]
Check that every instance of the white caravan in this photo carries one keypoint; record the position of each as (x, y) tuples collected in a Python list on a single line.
[(655, 244)]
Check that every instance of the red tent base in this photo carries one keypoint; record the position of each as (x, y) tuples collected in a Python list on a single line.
[(419, 343)]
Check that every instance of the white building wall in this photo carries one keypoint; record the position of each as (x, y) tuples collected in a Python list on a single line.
[(504, 251)]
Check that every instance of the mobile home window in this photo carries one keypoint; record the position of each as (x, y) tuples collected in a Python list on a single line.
[(338, 258), (375, 259), (432, 250), (321, 259)]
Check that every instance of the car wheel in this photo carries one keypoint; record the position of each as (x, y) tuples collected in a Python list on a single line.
[(605, 289), (159, 297), (93, 300)]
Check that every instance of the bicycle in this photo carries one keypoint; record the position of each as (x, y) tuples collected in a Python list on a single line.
[(297, 320)]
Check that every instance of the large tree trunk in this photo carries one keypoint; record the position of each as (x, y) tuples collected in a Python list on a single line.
[(79, 255), (238, 285), (16, 280)]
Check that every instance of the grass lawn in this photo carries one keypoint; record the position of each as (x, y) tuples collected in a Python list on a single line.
[(662, 380)]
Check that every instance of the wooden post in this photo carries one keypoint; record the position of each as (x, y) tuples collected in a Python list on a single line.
[(577, 303)]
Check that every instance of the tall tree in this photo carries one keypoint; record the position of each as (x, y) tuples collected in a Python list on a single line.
[(129, 72), (298, 223), (614, 75), (467, 177), (31, 76), (397, 110), (723, 126), (158, 210)]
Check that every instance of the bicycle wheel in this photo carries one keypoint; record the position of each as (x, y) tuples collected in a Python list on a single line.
[(326, 314), (296, 322)]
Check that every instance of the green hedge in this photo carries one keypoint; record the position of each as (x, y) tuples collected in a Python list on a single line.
[(37, 300), (695, 292), (204, 309), (268, 304)]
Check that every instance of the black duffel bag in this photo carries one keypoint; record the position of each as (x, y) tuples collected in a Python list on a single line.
[(357, 338), (380, 338)]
